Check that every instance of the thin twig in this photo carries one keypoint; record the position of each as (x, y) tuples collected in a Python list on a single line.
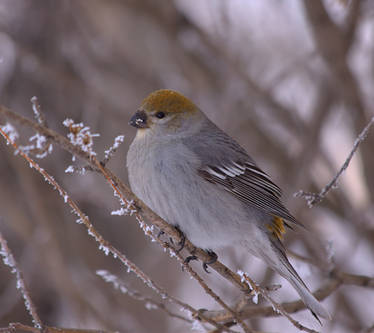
[(149, 302), (275, 305), (108, 154), (43, 145), (18, 327), (315, 198), (39, 116), (9, 260), (210, 292), (336, 279)]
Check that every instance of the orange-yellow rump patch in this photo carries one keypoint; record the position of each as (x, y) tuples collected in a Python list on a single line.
[(277, 227)]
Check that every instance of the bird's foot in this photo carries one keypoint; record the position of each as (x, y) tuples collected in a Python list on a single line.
[(190, 258), (212, 260), (182, 242)]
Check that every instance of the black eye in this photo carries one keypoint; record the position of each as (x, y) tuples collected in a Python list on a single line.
[(160, 115)]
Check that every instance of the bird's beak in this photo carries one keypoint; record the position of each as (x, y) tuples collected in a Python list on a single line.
[(139, 120)]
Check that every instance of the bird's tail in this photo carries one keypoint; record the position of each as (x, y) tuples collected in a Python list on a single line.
[(284, 268), (307, 297), (274, 255)]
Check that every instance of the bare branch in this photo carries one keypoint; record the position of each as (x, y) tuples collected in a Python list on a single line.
[(315, 198), (336, 279), (149, 302), (275, 306), (9, 260), (112, 150), (17, 327)]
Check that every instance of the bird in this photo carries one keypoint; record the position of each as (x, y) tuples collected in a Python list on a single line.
[(200, 180)]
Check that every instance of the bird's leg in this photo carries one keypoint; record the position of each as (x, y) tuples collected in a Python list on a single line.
[(212, 260), (182, 241), (191, 257)]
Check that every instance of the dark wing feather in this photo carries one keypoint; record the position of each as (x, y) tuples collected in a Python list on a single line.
[(225, 163), (249, 184)]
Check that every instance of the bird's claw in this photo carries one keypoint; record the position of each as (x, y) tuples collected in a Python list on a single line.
[(189, 258), (212, 260), (182, 242)]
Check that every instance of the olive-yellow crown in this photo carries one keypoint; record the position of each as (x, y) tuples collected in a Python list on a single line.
[(168, 101)]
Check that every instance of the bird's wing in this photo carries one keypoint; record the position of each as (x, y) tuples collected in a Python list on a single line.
[(250, 185), (225, 163)]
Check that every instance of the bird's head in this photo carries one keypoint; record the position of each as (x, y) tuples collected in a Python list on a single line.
[(166, 112)]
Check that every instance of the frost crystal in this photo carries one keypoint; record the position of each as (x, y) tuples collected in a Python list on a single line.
[(108, 277), (198, 326), (241, 274), (8, 259), (119, 212), (125, 210), (117, 141), (127, 207), (41, 144), (120, 285), (255, 297), (10, 131), (89, 231), (150, 306), (79, 170), (69, 169), (275, 308), (34, 101), (80, 136), (104, 249)]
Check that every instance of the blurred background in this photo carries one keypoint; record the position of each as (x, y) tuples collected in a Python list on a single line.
[(292, 81)]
